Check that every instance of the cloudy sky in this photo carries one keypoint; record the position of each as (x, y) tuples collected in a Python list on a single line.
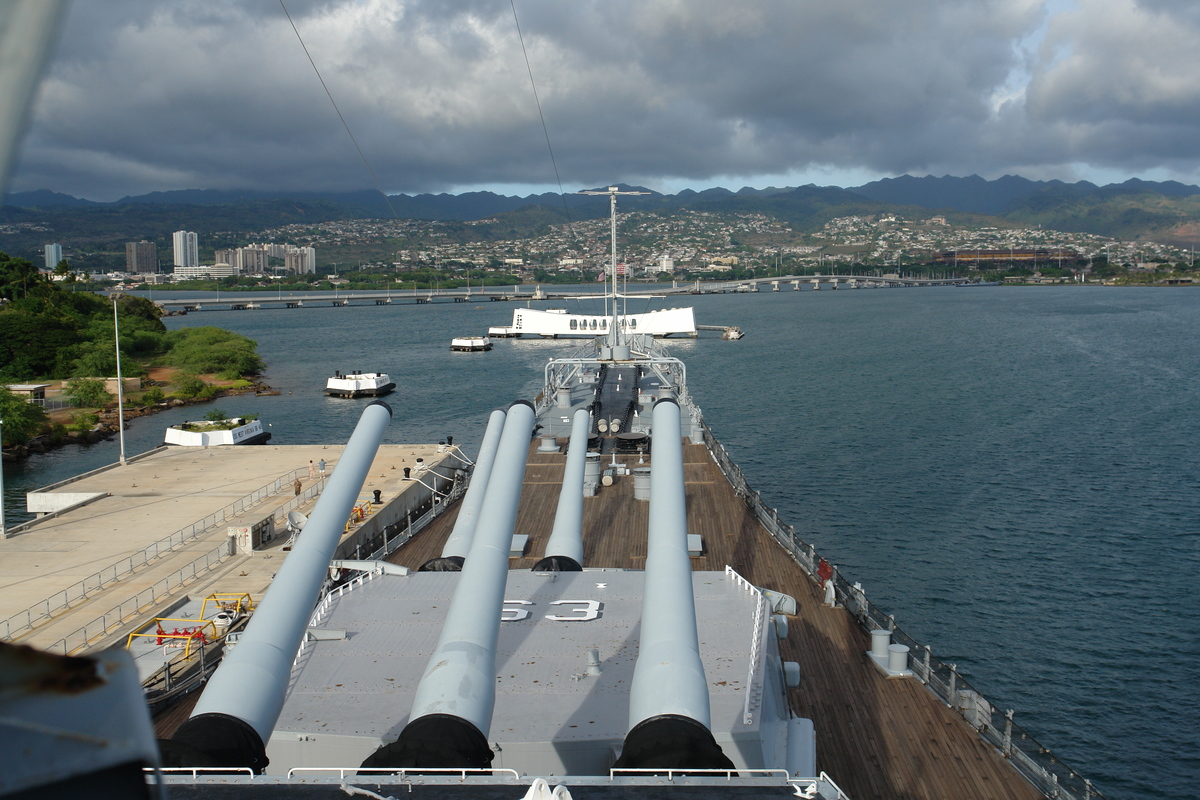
[(142, 96)]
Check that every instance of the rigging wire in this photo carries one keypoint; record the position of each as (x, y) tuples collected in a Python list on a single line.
[(541, 116), (329, 94)]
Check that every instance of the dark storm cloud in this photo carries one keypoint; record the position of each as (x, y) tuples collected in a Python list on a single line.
[(144, 96)]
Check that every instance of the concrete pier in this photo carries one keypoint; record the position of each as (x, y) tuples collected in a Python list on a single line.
[(163, 527)]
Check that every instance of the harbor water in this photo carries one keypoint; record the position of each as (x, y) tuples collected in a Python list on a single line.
[(1013, 472)]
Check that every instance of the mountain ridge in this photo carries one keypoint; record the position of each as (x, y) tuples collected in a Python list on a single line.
[(1167, 210), (971, 194)]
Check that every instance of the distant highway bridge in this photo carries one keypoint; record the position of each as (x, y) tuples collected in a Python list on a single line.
[(248, 300)]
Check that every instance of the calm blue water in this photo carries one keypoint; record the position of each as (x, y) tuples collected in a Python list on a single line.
[(1012, 471)]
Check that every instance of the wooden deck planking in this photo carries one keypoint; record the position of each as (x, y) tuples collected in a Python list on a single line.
[(877, 737)]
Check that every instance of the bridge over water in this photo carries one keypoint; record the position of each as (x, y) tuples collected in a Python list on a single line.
[(249, 300)]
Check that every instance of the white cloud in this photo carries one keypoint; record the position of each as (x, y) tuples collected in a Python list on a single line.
[(219, 94)]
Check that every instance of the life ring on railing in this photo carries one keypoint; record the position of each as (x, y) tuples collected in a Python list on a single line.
[(824, 571)]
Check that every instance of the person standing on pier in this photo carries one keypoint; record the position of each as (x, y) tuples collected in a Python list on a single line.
[(297, 485), (312, 470), (321, 467)]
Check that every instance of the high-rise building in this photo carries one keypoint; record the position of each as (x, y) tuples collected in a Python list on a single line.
[(53, 255), (252, 259), (141, 257), (186, 246), (301, 260)]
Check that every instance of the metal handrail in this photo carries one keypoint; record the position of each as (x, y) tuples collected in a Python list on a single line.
[(401, 773), (414, 527), (196, 771), (65, 598), (123, 612), (685, 772)]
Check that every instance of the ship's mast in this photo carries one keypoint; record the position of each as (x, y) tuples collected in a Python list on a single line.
[(614, 333)]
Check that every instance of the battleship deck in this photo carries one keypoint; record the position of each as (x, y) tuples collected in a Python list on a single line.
[(877, 737)]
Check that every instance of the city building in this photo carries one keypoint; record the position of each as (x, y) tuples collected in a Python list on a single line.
[(1037, 255), (253, 259), (141, 257), (53, 255), (301, 260), (223, 270), (188, 273), (186, 246)]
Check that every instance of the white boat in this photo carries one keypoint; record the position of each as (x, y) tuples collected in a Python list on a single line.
[(237, 430), (359, 384), (470, 344)]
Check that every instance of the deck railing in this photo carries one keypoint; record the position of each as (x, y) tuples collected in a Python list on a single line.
[(73, 594), (399, 533), (1046, 772), (127, 610)]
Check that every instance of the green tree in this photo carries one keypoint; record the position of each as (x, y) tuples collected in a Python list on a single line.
[(64, 272), (22, 420), (210, 350), (18, 277), (190, 386), (31, 345), (94, 359), (88, 392)]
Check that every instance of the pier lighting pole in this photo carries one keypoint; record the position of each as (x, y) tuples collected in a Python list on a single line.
[(120, 385), (3, 530)]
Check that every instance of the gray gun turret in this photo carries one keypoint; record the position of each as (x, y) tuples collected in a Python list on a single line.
[(452, 710), (668, 699), (458, 544), (564, 550), (236, 714)]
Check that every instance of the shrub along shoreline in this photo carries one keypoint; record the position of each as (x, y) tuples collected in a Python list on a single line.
[(50, 333), (95, 423)]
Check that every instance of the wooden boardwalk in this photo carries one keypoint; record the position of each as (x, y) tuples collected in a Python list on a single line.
[(877, 737)]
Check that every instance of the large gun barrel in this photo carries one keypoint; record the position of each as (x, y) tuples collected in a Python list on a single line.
[(668, 698), (452, 710), (236, 714), (458, 544), (564, 550)]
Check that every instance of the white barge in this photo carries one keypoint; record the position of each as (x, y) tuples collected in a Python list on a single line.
[(237, 430), (359, 384)]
